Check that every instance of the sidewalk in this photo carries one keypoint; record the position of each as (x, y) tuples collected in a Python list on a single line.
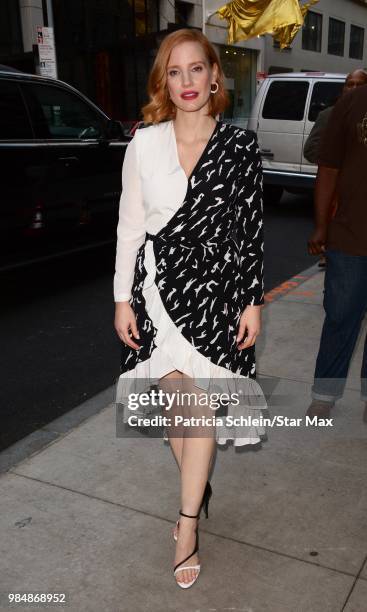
[(90, 515)]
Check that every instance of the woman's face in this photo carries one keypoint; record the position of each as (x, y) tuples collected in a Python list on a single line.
[(189, 76)]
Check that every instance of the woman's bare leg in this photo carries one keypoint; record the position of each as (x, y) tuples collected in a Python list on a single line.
[(194, 447), (169, 384)]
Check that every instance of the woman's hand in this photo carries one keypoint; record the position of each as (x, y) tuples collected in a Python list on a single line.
[(249, 326), (125, 320)]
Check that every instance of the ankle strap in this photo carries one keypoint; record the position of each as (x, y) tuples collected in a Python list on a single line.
[(190, 515)]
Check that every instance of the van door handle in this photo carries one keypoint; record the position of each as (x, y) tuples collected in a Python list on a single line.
[(266, 153), (69, 160)]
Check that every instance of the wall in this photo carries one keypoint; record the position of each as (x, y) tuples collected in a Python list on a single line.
[(298, 59)]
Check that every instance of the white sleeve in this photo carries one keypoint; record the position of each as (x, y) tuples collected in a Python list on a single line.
[(131, 224)]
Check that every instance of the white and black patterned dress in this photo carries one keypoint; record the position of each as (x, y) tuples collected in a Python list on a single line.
[(189, 259)]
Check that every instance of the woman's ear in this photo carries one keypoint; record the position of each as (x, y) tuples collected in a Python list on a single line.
[(215, 71)]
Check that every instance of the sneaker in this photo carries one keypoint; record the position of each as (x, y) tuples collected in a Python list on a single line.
[(319, 409)]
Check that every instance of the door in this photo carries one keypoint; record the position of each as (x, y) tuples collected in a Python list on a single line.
[(22, 163), (324, 94), (281, 124), (84, 168)]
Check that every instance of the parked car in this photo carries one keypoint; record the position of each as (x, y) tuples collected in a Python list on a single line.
[(60, 156), (283, 114), (131, 126)]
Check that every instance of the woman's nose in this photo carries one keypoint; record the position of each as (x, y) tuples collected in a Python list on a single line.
[(186, 79)]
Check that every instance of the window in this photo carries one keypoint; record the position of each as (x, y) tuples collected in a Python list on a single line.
[(336, 37), (356, 42), (239, 66), (59, 114), (146, 14), (286, 100), (14, 121), (183, 12), (312, 32), (323, 96)]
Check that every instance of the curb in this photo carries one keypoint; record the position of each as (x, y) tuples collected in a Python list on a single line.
[(37, 441), (291, 284)]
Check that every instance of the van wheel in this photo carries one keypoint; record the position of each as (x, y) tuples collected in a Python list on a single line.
[(272, 194)]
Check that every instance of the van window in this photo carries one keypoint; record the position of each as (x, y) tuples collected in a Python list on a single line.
[(14, 120), (323, 96), (286, 100), (59, 114)]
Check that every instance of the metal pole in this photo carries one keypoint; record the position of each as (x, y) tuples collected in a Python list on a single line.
[(203, 4), (50, 14)]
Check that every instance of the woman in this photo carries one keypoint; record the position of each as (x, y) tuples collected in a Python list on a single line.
[(188, 285)]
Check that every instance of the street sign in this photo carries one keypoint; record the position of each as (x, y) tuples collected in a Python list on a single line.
[(46, 52)]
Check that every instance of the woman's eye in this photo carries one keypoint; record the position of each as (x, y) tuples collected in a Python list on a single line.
[(172, 72), (198, 68)]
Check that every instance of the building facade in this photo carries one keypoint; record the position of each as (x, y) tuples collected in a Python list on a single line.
[(333, 39), (105, 48)]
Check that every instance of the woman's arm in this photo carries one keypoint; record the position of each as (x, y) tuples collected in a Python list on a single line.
[(130, 236), (249, 218), (131, 224)]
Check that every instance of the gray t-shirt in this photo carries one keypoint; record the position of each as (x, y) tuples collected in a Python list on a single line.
[(312, 145)]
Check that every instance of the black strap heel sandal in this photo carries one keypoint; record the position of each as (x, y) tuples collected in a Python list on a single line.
[(204, 504), (207, 495)]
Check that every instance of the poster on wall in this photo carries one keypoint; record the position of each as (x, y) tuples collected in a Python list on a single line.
[(46, 52)]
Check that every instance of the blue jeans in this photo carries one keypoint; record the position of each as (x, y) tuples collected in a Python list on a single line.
[(345, 304)]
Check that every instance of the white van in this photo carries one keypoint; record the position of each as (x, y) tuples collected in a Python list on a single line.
[(283, 114)]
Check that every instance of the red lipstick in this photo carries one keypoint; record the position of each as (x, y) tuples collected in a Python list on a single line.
[(189, 95)]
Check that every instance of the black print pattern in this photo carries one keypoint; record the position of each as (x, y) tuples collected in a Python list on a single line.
[(209, 256)]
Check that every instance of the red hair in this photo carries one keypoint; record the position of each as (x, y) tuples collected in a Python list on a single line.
[(161, 108)]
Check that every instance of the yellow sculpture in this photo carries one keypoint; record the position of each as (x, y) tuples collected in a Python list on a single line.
[(250, 18)]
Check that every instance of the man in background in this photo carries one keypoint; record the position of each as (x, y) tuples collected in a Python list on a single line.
[(341, 173), (312, 144)]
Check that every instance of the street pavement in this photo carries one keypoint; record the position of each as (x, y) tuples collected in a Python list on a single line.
[(89, 514)]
